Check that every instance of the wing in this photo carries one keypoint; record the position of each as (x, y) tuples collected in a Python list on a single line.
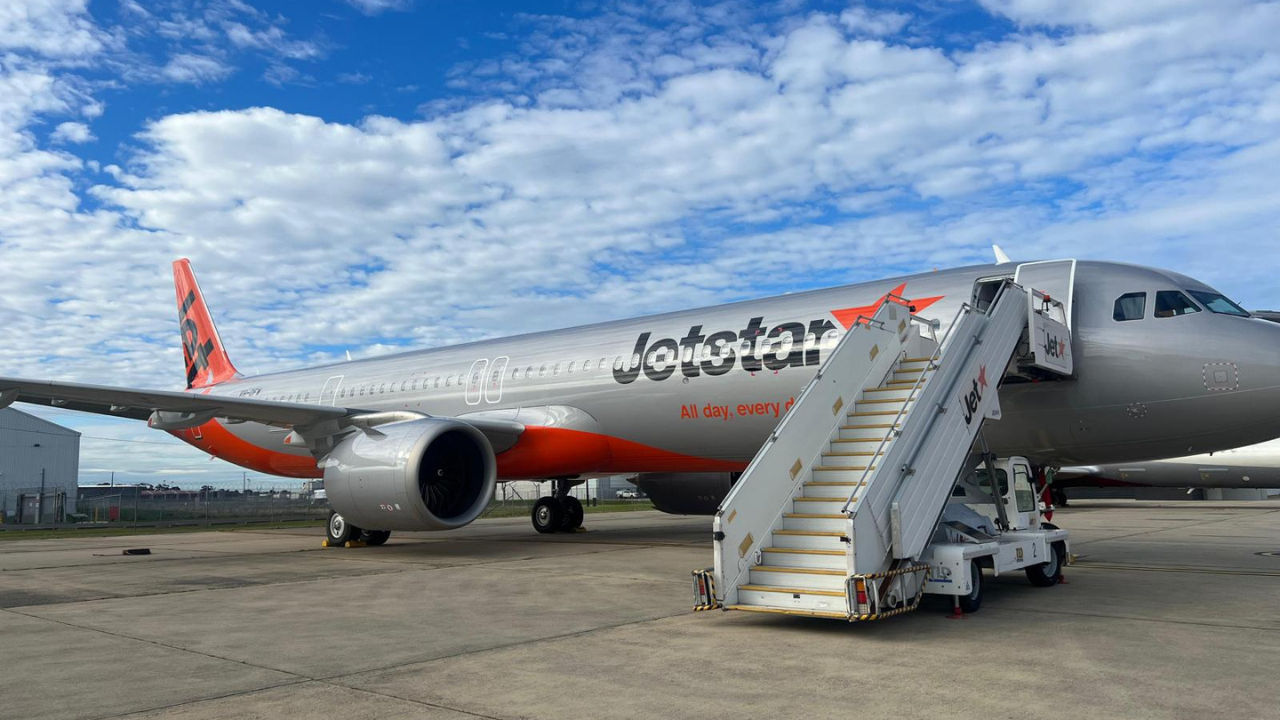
[(144, 404), (168, 410)]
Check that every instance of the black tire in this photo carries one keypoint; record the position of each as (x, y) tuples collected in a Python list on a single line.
[(573, 513), (377, 537), (1049, 573), (340, 532), (547, 515), (971, 602)]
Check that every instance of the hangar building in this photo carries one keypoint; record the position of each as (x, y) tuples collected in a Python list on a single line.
[(36, 454)]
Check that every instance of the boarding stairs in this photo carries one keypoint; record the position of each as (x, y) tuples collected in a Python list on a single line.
[(833, 514)]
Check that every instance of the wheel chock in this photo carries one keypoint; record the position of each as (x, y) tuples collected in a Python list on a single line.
[(326, 543), (355, 543)]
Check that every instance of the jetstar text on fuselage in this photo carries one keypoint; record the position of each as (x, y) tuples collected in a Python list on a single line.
[(754, 348)]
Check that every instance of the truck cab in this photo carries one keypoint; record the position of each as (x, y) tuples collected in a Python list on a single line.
[(996, 526)]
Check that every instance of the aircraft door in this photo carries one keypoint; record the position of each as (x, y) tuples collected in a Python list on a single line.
[(1055, 278), (497, 375), (476, 381), (329, 395)]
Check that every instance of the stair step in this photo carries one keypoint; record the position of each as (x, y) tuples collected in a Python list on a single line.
[(879, 394), (896, 401), (873, 431), (793, 599), (841, 473), (839, 445), (846, 460), (863, 420), (819, 505), (817, 522), (806, 591), (798, 577), (804, 558), (808, 540), (833, 490), (790, 611)]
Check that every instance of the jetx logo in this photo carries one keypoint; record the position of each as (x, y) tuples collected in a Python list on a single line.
[(716, 353), (195, 352), (1055, 346), (970, 401)]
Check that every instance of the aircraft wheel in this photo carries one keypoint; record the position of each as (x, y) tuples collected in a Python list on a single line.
[(1050, 573), (339, 532), (548, 515), (377, 537), (573, 513), (971, 602)]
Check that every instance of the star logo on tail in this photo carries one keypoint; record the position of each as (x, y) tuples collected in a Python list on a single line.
[(849, 316), (982, 377)]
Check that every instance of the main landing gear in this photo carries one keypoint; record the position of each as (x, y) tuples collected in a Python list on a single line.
[(340, 533), (561, 512)]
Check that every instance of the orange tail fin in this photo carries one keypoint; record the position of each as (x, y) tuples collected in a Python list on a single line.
[(207, 361)]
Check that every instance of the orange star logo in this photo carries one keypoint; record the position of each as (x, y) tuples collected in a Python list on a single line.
[(848, 316)]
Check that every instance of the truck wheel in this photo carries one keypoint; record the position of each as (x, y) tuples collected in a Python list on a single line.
[(971, 602), (1049, 573), (377, 537)]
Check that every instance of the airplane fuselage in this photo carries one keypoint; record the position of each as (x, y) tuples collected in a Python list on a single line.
[(699, 390)]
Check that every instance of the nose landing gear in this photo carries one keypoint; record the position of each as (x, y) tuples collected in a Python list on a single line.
[(561, 512)]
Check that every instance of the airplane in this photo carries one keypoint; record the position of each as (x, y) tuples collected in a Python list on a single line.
[(1253, 466), (1164, 366)]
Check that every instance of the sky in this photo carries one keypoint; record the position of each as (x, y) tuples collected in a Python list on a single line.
[(369, 176)]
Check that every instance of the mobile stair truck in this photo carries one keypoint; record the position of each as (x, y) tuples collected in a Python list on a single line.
[(876, 487)]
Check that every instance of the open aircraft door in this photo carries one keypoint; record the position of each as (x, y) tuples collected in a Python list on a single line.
[(1051, 284)]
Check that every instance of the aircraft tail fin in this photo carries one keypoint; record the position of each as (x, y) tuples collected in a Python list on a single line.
[(202, 348)]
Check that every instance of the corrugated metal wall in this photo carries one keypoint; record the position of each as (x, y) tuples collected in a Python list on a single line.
[(21, 461)]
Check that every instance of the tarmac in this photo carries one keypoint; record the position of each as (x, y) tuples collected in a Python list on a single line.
[(1171, 611)]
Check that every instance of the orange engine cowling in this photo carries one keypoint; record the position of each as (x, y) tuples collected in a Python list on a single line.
[(428, 474)]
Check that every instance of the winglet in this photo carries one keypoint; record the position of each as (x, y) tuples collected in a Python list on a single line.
[(1001, 258), (202, 348)]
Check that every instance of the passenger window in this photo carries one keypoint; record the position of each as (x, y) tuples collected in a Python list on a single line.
[(542, 371), (383, 388), (556, 370), (1170, 303), (570, 368), (515, 373), (448, 382), (405, 384), (528, 372), (586, 366), (1131, 306), (617, 363)]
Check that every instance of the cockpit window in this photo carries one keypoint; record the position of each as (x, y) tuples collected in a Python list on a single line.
[(1170, 303), (1130, 306), (1218, 303)]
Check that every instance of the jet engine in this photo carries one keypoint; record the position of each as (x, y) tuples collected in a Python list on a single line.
[(428, 474), (686, 493)]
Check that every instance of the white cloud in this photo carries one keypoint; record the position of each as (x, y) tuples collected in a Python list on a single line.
[(862, 21), (374, 7), (71, 132), (643, 160), (49, 28), (195, 69)]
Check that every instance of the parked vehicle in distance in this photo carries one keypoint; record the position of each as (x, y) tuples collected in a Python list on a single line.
[(628, 495)]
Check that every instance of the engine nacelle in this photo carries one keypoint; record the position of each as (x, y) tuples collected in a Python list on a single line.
[(686, 493), (428, 474)]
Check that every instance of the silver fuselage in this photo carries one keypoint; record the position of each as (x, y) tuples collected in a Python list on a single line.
[(1139, 392)]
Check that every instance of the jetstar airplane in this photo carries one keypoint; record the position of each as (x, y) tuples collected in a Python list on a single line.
[(1254, 466), (1164, 366)]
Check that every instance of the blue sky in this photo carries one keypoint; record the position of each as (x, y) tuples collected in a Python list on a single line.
[(374, 175)]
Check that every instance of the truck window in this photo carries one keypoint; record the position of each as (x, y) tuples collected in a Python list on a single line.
[(1023, 493), (985, 483)]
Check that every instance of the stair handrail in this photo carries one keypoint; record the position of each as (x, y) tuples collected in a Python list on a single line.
[(937, 353), (786, 417)]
